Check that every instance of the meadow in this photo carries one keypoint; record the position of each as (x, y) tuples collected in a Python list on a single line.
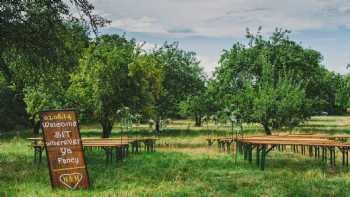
[(183, 165)]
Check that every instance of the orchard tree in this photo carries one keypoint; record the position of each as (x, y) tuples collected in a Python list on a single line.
[(181, 77), (145, 84), (113, 74), (198, 106), (193, 106), (287, 63)]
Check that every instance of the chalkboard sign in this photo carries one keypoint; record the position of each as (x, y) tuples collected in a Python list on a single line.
[(64, 149)]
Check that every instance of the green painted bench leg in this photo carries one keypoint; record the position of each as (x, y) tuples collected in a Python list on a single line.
[(334, 157), (258, 150), (263, 157), (245, 151), (323, 153), (250, 153), (342, 150), (40, 154), (35, 154), (347, 157)]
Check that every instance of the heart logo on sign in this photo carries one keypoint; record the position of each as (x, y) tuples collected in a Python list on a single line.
[(71, 180)]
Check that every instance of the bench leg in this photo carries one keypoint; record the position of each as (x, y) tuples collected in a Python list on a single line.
[(263, 157), (40, 154), (258, 150), (35, 153)]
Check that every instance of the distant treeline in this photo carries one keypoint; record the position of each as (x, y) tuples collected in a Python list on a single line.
[(49, 61)]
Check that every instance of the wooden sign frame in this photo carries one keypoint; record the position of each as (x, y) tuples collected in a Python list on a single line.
[(65, 172)]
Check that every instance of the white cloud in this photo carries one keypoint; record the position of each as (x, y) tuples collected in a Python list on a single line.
[(209, 64), (147, 46), (223, 17), (141, 24)]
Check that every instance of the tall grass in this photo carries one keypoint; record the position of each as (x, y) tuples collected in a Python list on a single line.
[(182, 171)]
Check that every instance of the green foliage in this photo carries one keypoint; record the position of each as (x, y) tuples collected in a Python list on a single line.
[(41, 42), (275, 104), (48, 90), (258, 81), (181, 77), (198, 107), (114, 74), (103, 77), (335, 92), (145, 83)]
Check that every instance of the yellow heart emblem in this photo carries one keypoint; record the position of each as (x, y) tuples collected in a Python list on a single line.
[(71, 180)]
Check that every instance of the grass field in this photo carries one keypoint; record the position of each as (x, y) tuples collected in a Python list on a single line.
[(182, 166)]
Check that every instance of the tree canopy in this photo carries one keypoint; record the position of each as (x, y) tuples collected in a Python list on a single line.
[(114, 74), (259, 81), (182, 77), (39, 39)]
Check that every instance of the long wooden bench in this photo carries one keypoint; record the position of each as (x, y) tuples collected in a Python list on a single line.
[(120, 145), (224, 143), (317, 147)]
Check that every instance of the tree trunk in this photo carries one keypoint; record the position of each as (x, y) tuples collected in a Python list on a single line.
[(157, 130), (106, 128), (267, 129), (198, 121), (275, 125), (36, 127)]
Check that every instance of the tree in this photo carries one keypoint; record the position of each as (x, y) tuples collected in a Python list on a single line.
[(276, 104), (113, 74), (335, 92), (193, 106), (288, 62), (146, 78), (198, 106), (181, 77)]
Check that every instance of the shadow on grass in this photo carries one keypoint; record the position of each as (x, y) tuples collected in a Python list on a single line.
[(329, 119), (322, 125), (166, 133), (331, 131), (293, 162)]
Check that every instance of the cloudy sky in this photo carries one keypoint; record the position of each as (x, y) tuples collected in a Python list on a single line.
[(209, 26)]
